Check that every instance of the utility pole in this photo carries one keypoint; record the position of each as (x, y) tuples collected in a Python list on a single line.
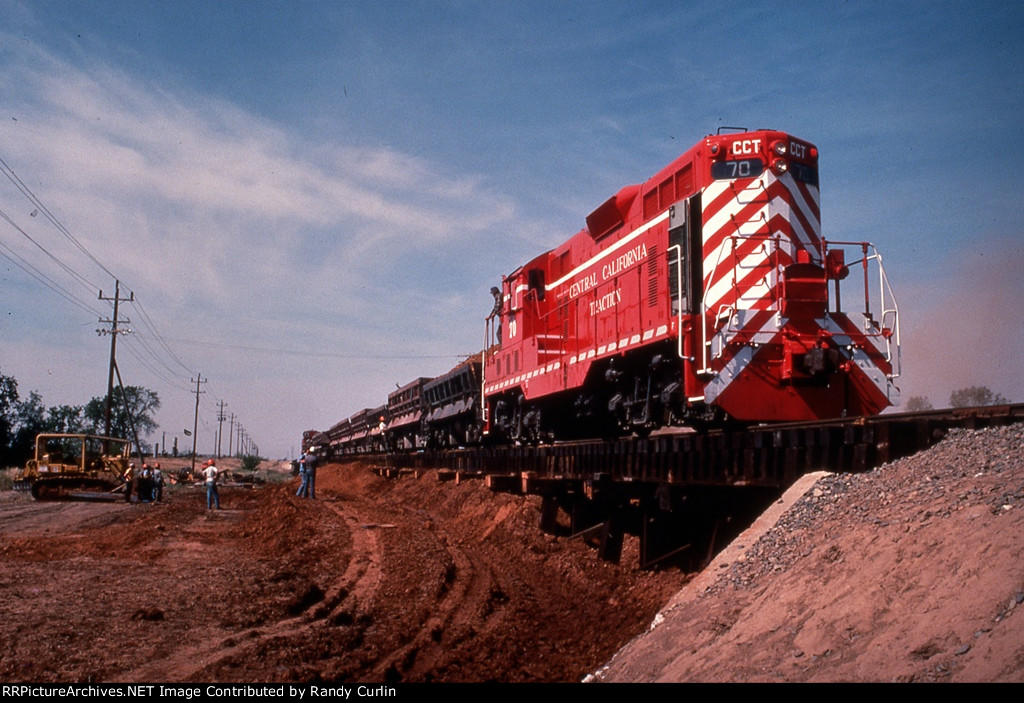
[(231, 433), (195, 422), (113, 332), (220, 425)]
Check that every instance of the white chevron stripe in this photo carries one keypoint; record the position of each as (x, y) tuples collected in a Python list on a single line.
[(780, 206), (724, 286)]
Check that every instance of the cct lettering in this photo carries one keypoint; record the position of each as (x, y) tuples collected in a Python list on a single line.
[(797, 150), (746, 146)]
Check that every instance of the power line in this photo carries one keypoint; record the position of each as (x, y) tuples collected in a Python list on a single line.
[(160, 340), (80, 278), (330, 355), (176, 383), (35, 273), (49, 282), (143, 342), (152, 355), (151, 350), (27, 192)]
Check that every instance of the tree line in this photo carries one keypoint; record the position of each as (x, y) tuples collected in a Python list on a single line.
[(21, 419), (970, 396)]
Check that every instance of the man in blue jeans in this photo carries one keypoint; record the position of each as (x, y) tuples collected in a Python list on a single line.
[(304, 479), (304, 482), (210, 472), (307, 468)]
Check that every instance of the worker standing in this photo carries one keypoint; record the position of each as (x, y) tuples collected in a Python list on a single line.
[(158, 483), (129, 480), (210, 472), (311, 475), (303, 491)]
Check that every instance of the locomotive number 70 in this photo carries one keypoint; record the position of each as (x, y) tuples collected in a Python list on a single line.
[(743, 168)]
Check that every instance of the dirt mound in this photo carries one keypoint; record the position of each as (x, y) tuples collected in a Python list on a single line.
[(376, 580)]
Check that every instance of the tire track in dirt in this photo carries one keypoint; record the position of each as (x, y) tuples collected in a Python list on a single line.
[(467, 602), (382, 580), (22, 518), (362, 578), (351, 596)]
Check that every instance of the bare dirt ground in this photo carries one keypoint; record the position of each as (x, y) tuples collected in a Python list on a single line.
[(912, 572), (375, 580)]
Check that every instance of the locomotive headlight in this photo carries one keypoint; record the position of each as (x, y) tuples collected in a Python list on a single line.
[(780, 166), (715, 148), (779, 148)]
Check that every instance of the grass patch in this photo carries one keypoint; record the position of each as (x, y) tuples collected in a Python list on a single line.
[(7, 478)]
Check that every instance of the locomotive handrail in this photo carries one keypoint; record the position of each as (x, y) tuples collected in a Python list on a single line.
[(755, 189), (888, 308), (883, 283), (706, 344), (483, 385), (703, 317), (886, 298), (895, 312), (679, 298), (772, 255)]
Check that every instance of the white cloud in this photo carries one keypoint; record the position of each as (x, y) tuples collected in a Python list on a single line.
[(233, 229), (196, 183)]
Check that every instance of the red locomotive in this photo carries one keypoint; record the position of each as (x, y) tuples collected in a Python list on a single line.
[(705, 295)]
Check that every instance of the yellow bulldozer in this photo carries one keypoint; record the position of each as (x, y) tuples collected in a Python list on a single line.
[(74, 466)]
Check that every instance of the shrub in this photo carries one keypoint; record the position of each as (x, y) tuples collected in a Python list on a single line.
[(250, 462)]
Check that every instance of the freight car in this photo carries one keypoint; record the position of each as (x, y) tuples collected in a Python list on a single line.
[(406, 409), (361, 433), (705, 295), (427, 413), (453, 415)]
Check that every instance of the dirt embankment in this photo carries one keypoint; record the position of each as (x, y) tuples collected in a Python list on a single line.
[(912, 572), (375, 580)]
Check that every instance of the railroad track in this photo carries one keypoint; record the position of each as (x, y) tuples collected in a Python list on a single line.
[(683, 493)]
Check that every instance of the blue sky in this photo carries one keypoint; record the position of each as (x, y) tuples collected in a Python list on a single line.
[(310, 200)]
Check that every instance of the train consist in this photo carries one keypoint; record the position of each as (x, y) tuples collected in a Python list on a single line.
[(705, 295), (428, 413)]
